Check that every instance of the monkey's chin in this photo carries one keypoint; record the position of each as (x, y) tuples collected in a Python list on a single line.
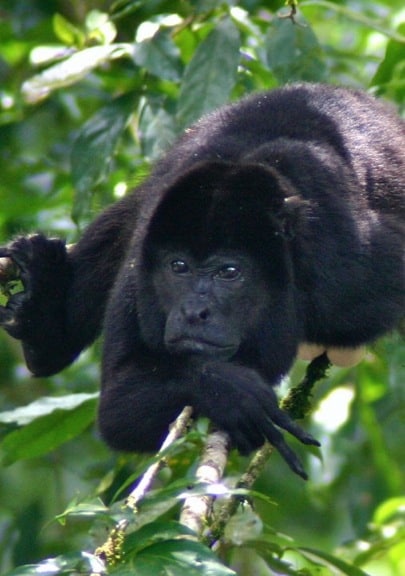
[(200, 348)]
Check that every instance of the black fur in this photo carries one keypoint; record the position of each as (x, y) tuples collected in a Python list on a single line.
[(306, 185)]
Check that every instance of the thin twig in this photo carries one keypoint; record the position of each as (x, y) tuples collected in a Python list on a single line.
[(176, 431), (110, 552), (292, 12)]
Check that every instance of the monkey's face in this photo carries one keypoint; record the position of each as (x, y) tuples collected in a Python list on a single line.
[(209, 305)]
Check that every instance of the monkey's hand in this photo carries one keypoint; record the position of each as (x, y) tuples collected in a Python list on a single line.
[(33, 278), (238, 401)]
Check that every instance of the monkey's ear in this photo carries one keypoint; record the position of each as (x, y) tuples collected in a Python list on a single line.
[(257, 185), (259, 190), (291, 216)]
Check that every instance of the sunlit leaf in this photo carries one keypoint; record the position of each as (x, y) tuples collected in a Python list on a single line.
[(100, 27), (68, 564), (90, 507), (67, 32), (389, 510), (71, 70), (357, 16), (390, 76), (45, 433), (44, 406)]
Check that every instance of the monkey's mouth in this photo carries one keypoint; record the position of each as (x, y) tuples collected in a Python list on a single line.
[(190, 346)]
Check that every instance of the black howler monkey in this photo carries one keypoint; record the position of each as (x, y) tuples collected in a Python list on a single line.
[(272, 222)]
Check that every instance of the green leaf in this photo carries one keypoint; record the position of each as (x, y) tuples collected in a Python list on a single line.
[(159, 55), (343, 566), (44, 406), (211, 74), (156, 128), (94, 147), (87, 508), (68, 564), (67, 32), (100, 28), (182, 557), (356, 16), (389, 510), (293, 52), (45, 433), (71, 70), (390, 75), (151, 534)]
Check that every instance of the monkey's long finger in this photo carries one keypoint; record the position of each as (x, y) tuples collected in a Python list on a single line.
[(283, 420), (276, 439)]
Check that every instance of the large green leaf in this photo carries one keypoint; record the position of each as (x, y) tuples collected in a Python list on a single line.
[(67, 32), (358, 16), (211, 74), (293, 52), (182, 557), (94, 148), (333, 561), (156, 127), (68, 564), (159, 55), (60, 423), (44, 406), (71, 70), (390, 75)]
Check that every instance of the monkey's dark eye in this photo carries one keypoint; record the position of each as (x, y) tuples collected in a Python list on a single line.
[(179, 267), (228, 272)]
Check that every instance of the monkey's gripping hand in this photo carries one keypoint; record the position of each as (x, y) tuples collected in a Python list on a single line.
[(34, 275), (240, 402)]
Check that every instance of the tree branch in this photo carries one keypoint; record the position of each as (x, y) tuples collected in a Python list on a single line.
[(176, 430), (110, 551), (197, 510)]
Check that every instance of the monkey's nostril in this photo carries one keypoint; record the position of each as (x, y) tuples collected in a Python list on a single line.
[(204, 314)]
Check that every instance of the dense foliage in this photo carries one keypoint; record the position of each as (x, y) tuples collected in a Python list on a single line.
[(91, 93)]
